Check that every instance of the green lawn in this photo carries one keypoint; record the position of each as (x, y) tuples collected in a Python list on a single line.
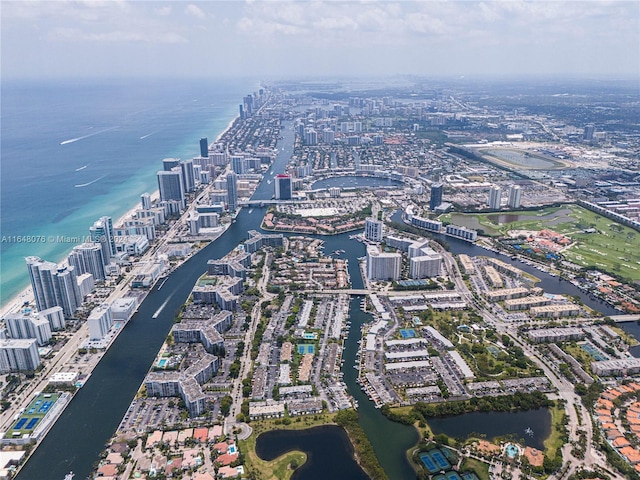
[(611, 249), (481, 469), (554, 442), (33, 411)]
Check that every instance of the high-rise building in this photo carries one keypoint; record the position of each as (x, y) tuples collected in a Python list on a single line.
[(87, 258), (283, 187), (436, 196), (241, 111), (383, 266), (41, 275), (589, 131), (495, 196), (248, 105), (29, 325), (170, 185), (237, 164), (188, 176), (310, 137), (515, 194), (66, 289), (145, 201), (102, 232), (99, 321), (232, 191), (426, 264), (53, 286), (328, 135), (19, 355), (373, 230), (170, 163), (204, 147), (55, 317)]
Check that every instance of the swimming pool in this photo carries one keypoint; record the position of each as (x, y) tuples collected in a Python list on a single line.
[(512, 450), (162, 362)]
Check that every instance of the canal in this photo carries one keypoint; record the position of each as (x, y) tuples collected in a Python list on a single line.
[(79, 436), (76, 440)]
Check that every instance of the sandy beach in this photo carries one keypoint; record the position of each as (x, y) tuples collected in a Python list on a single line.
[(26, 295)]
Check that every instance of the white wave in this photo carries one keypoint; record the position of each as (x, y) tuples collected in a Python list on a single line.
[(80, 185), (72, 140)]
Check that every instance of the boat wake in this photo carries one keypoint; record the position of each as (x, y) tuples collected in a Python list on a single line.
[(73, 140), (155, 315), (147, 135), (82, 168), (80, 185)]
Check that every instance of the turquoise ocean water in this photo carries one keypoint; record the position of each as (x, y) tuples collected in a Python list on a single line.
[(72, 151)]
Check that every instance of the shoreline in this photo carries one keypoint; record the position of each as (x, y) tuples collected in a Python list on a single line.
[(14, 303), (61, 360)]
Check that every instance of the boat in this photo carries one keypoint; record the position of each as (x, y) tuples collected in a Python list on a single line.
[(69, 476), (529, 432)]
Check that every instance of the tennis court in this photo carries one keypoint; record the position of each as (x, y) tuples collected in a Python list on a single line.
[(32, 415), (408, 333), (426, 459), (20, 424), (438, 457), (306, 348)]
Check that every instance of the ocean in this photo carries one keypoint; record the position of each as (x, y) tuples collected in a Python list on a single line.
[(73, 151)]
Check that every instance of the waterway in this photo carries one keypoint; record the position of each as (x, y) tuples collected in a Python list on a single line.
[(329, 452), (80, 434), (548, 283)]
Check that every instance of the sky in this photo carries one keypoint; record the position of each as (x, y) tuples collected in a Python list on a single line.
[(286, 39)]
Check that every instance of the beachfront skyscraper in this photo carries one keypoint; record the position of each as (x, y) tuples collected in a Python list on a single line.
[(204, 147), (53, 286), (28, 325), (41, 275), (102, 232), (515, 194), (495, 196), (66, 289), (171, 186), (283, 187), (169, 163), (436, 196), (87, 258), (232, 191), (188, 176)]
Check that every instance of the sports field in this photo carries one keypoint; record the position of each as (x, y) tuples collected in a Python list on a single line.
[(611, 248), (33, 414)]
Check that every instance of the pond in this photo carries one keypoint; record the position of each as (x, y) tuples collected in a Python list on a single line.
[(530, 427), (329, 452)]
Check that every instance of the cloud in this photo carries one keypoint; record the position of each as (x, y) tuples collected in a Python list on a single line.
[(195, 11), (163, 11), (116, 36)]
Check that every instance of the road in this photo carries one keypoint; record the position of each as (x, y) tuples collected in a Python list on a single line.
[(246, 362), (579, 419)]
